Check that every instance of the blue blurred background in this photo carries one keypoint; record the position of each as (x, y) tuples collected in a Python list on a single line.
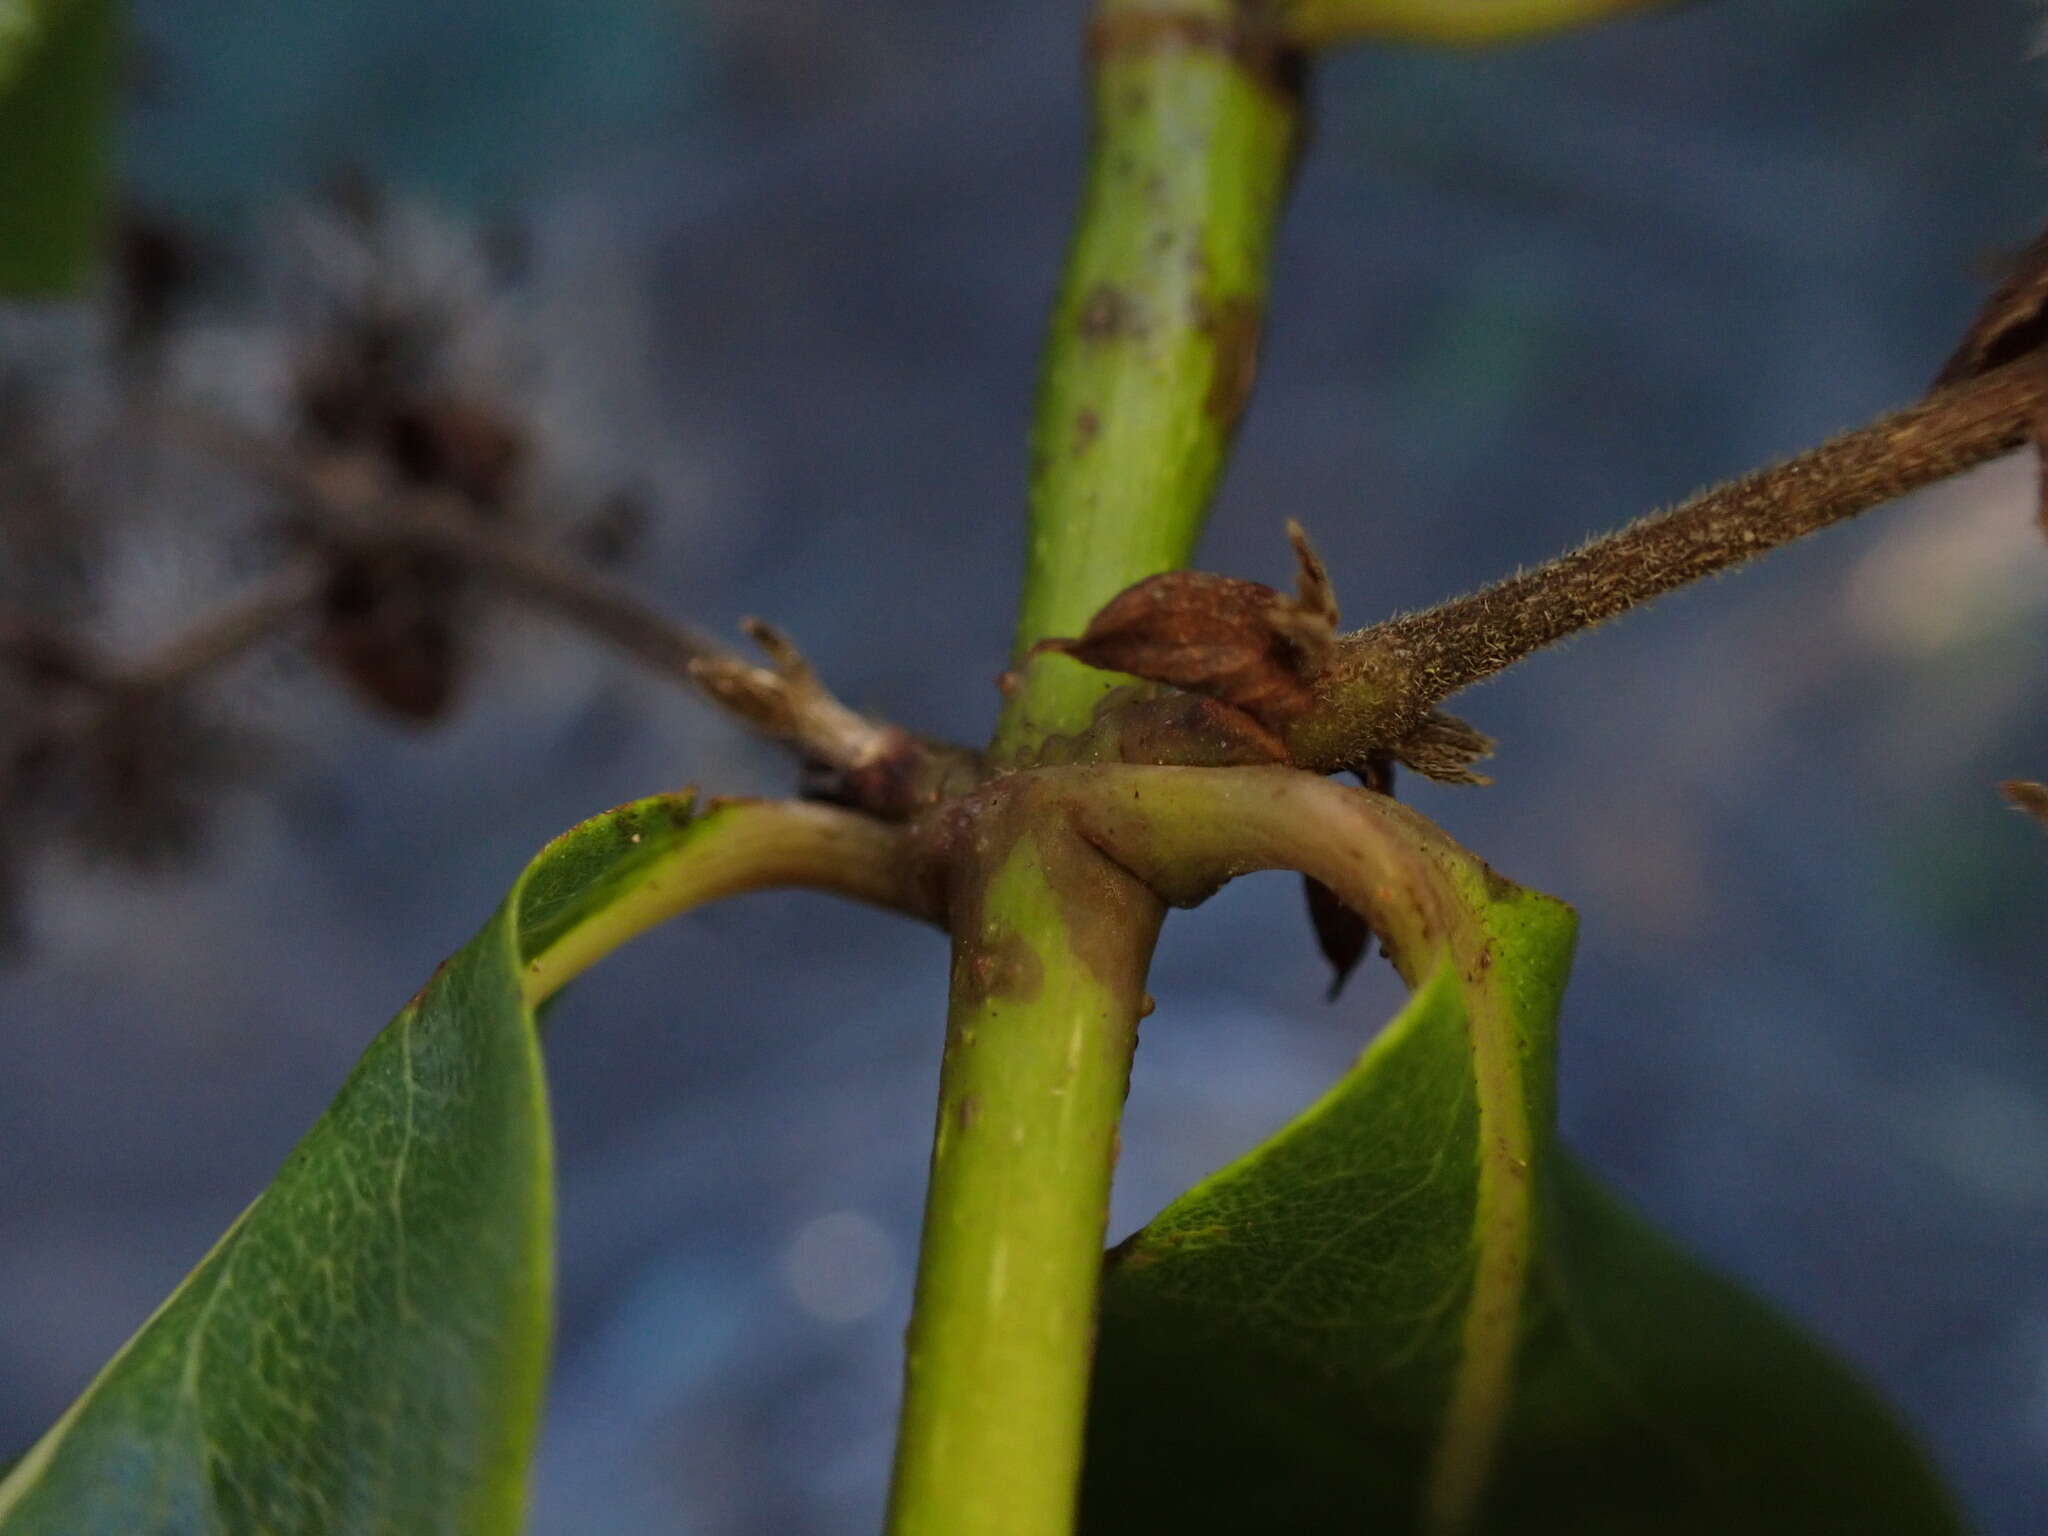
[(786, 268)]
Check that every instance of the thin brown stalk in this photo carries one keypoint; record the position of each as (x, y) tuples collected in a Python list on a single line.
[(355, 509), (50, 656), (228, 631), (879, 767)]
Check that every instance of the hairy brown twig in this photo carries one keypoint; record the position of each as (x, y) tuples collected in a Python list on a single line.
[(1385, 680)]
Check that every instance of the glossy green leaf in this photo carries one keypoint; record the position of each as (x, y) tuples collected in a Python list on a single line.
[(1410, 1311), (364, 1350), (57, 64)]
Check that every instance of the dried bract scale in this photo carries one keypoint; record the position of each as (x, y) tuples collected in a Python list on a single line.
[(1239, 642), (1314, 593), (1341, 934), (1444, 748), (1209, 634), (2027, 796), (2012, 324)]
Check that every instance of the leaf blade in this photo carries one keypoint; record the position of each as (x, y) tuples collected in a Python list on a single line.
[(365, 1348), (1349, 1322)]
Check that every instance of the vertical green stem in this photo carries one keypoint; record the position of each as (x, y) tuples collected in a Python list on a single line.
[(59, 60), (1155, 332), (1148, 364), (1050, 949)]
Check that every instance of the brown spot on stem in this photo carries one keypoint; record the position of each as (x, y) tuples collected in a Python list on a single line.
[(1248, 40), (1107, 313), (1234, 326), (1087, 427), (1005, 967)]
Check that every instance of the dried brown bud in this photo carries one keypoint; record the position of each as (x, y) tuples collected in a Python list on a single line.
[(1341, 934), (390, 623), (1239, 642), (2028, 797), (455, 444), (155, 264), (2012, 324)]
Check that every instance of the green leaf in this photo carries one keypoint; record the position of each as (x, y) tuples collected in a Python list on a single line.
[(1410, 1310), (57, 64), (364, 1350)]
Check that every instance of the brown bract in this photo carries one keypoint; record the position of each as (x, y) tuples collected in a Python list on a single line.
[(1212, 635), (1341, 931), (1262, 654), (1341, 934), (1240, 642), (2012, 324), (2027, 796)]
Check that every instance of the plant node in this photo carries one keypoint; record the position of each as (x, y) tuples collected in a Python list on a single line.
[(852, 760)]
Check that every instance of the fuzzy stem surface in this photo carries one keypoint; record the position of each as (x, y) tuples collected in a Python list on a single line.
[(1385, 679)]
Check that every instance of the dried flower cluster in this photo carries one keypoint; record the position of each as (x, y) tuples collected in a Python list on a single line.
[(142, 550)]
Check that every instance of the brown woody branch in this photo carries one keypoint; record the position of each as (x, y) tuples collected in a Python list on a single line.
[(1385, 681)]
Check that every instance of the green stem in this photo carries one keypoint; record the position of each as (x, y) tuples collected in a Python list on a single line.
[(1155, 333), (1148, 364), (1469, 23), (1051, 945)]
